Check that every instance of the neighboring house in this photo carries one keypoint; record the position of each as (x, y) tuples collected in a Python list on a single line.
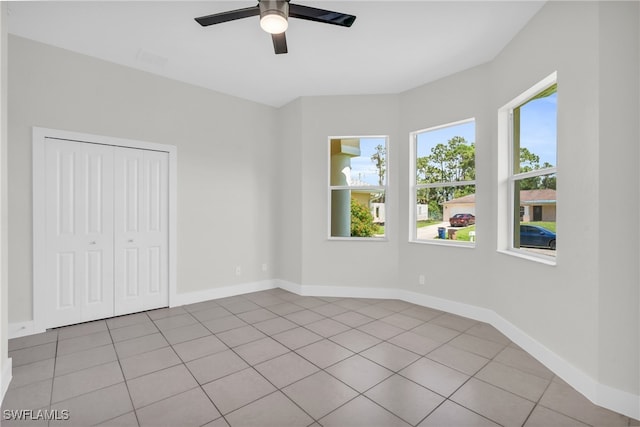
[(535, 205), (376, 209), (464, 204), (365, 197)]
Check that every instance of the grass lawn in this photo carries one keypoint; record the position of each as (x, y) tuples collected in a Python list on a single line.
[(463, 233)]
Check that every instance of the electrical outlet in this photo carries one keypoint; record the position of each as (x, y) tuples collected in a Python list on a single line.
[(238, 270), (264, 266), (421, 279)]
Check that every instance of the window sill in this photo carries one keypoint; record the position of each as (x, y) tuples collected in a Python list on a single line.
[(358, 239), (467, 245), (542, 259)]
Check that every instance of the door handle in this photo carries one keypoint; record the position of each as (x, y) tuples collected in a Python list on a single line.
[(130, 241), (93, 242)]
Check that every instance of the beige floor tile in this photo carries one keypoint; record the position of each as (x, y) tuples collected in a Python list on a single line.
[(565, 400), (479, 346), (359, 373), (145, 363), (286, 369), (217, 365), (238, 389), (402, 321), (416, 343), (239, 336), (494, 403), (85, 381), (199, 347), (305, 393), (90, 408), (450, 414), (543, 417), (405, 398), (139, 345), (160, 385), (355, 340), (435, 376), (261, 350), (324, 353), (272, 410), (521, 360), (189, 409), (390, 356), (453, 321), (462, 360), (511, 379), (362, 412)]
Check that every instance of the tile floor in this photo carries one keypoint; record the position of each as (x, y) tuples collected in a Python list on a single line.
[(274, 358)]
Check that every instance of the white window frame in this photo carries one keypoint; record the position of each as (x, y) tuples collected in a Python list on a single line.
[(413, 158), (507, 178), (384, 189)]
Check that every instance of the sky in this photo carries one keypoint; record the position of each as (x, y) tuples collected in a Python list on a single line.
[(429, 139), (538, 128)]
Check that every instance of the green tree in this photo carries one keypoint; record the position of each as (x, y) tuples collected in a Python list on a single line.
[(450, 162), (361, 221), (529, 162)]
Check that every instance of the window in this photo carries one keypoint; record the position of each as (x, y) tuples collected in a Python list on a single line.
[(357, 187), (444, 187), (532, 176)]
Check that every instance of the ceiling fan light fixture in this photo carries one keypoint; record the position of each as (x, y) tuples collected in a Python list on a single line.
[(273, 16)]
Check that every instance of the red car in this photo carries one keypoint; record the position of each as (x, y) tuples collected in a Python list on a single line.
[(462, 220)]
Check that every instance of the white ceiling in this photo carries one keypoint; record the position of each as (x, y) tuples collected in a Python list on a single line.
[(393, 46)]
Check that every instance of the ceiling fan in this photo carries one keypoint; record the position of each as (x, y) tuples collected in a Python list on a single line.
[(274, 15)]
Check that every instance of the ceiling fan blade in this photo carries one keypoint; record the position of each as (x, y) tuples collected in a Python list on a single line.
[(320, 15), (232, 15), (279, 43)]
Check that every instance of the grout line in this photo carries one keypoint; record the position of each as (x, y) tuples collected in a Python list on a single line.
[(124, 378)]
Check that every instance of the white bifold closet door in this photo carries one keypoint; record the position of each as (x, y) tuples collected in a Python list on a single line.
[(106, 231), (141, 235)]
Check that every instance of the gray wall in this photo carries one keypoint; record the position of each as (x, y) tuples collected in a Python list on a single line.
[(341, 263), (4, 286), (227, 168), (236, 157)]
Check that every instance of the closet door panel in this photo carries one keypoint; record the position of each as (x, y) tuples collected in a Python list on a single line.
[(141, 230), (79, 231)]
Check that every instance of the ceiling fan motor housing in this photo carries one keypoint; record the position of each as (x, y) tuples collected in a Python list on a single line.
[(274, 14)]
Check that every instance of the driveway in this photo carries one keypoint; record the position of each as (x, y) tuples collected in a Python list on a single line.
[(430, 231)]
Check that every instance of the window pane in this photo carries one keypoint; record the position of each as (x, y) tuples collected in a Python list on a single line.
[(535, 215), (446, 212), (446, 154), (358, 162), (535, 125), (357, 186), (357, 213)]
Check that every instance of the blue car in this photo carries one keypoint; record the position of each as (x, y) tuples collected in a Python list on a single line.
[(537, 237)]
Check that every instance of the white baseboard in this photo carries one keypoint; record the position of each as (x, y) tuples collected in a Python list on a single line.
[(223, 292), (21, 329), (5, 379)]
